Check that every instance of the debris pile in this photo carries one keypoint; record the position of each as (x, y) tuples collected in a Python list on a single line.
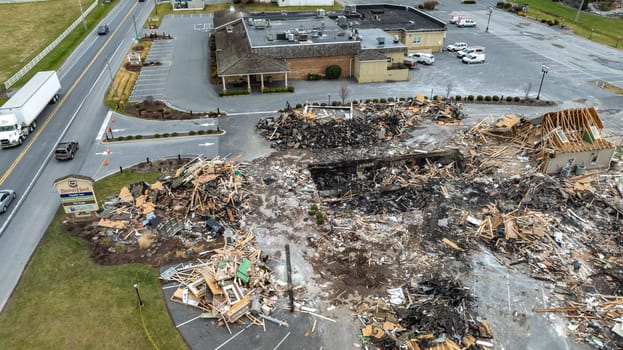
[(434, 314), (363, 125), (202, 201), (227, 284)]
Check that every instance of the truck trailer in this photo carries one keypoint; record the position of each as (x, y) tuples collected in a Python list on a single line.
[(18, 116)]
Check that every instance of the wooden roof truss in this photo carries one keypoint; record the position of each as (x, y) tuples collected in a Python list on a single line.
[(573, 130)]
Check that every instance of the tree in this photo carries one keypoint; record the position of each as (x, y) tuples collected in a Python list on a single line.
[(527, 90), (344, 92), (449, 89)]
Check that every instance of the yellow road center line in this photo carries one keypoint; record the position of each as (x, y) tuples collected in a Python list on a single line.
[(60, 104)]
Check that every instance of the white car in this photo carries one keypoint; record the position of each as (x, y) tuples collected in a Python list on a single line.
[(456, 46), (472, 49), (425, 58), (466, 22), (474, 58)]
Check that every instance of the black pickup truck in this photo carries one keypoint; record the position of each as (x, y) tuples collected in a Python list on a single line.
[(66, 150)]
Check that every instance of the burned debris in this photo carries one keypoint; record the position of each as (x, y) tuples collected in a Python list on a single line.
[(316, 127)]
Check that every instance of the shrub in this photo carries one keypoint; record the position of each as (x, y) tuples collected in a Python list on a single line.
[(500, 4), (382, 100), (138, 137), (479, 98), (420, 6), (402, 99), (470, 97), (201, 132), (495, 98), (429, 5), (323, 104), (174, 134), (119, 138), (487, 98), (468, 2), (509, 98), (435, 98), (298, 105), (375, 100), (333, 72), (313, 76), (210, 131), (391, 99), (355, 102), (192, 132), (368, 100), (234, 92), (278, 89), (156, 136), (166, 134), (319, 218), (517, 99), (457, 97)]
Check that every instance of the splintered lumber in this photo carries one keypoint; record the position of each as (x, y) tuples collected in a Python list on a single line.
[(555, 309), (452, 245), (119, 224), (238, 309), (125, 195)]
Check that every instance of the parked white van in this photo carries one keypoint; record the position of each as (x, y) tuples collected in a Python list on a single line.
[(474, 58), (466, 22), (468, 50), (426, 58)]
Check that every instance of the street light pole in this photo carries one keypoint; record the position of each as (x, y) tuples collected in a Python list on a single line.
[(489, 20), (140, 301), (135, 31), (112, 79), (156, 6), (329, 95), (544, 69)]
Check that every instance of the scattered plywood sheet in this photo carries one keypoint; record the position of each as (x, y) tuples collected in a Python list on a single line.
[(157, 186), (511, 229), (373, 331), (148, 208), (211, 282), (125, 195), (508, 121), (205, 178), (120, 224)]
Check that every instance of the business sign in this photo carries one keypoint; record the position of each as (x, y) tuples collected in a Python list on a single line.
[(76, 192)]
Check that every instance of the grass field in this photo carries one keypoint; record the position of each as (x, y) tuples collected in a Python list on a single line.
[(65, 301), (606, 30), (27, 28)]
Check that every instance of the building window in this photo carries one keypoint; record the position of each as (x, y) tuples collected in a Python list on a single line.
[(417, 40), (389, 59)]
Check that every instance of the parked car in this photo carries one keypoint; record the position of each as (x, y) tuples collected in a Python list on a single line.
[(468, 50), (454, 19), (457, 46), (466, 22), (420, 57), (474, 58), (103, 30), (6, 197), (66, 150)]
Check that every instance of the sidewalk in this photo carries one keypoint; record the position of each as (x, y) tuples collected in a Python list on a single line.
[(122, 125)]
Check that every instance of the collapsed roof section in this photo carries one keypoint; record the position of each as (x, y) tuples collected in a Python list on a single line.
[(574, 138)]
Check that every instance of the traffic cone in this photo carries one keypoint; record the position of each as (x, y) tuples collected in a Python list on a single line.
[(105, 162)]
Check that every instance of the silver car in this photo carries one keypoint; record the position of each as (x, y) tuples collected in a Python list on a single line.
[(6, 197)]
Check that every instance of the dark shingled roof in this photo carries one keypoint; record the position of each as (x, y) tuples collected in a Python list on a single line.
[(234, 57), (370, 55), (254, 64), (224, 16)]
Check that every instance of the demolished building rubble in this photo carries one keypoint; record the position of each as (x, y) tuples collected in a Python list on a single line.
[(389, 230)]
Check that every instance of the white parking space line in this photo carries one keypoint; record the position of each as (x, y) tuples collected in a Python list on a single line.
[(233, 336), (187, 322), (282, 340)]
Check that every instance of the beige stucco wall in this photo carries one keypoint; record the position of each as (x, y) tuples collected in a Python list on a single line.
[(300, 67), (370, 71), (432, 41), (376, 71), (589, 159), (397, 57)]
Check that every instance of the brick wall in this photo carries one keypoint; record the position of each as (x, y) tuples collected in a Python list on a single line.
[(300, 67)]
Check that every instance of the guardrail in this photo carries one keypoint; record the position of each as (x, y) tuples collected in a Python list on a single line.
[(17, 76)]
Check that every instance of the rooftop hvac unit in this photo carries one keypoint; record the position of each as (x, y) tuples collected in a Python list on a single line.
[(396, 39), (350, 9), (342, 21), (290, 36), (281, 36), (321, 13), (303, 37), (380, 40), (260, 23), (269, 37)]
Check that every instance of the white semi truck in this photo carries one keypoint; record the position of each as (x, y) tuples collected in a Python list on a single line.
[(18, 116)]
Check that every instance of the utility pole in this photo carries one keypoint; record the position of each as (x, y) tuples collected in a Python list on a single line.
[(489, 20), (156, 6), (544, 69)]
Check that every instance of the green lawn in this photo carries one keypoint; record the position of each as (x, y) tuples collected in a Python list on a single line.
[(606, 29), (27, 28), (65, 301)]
